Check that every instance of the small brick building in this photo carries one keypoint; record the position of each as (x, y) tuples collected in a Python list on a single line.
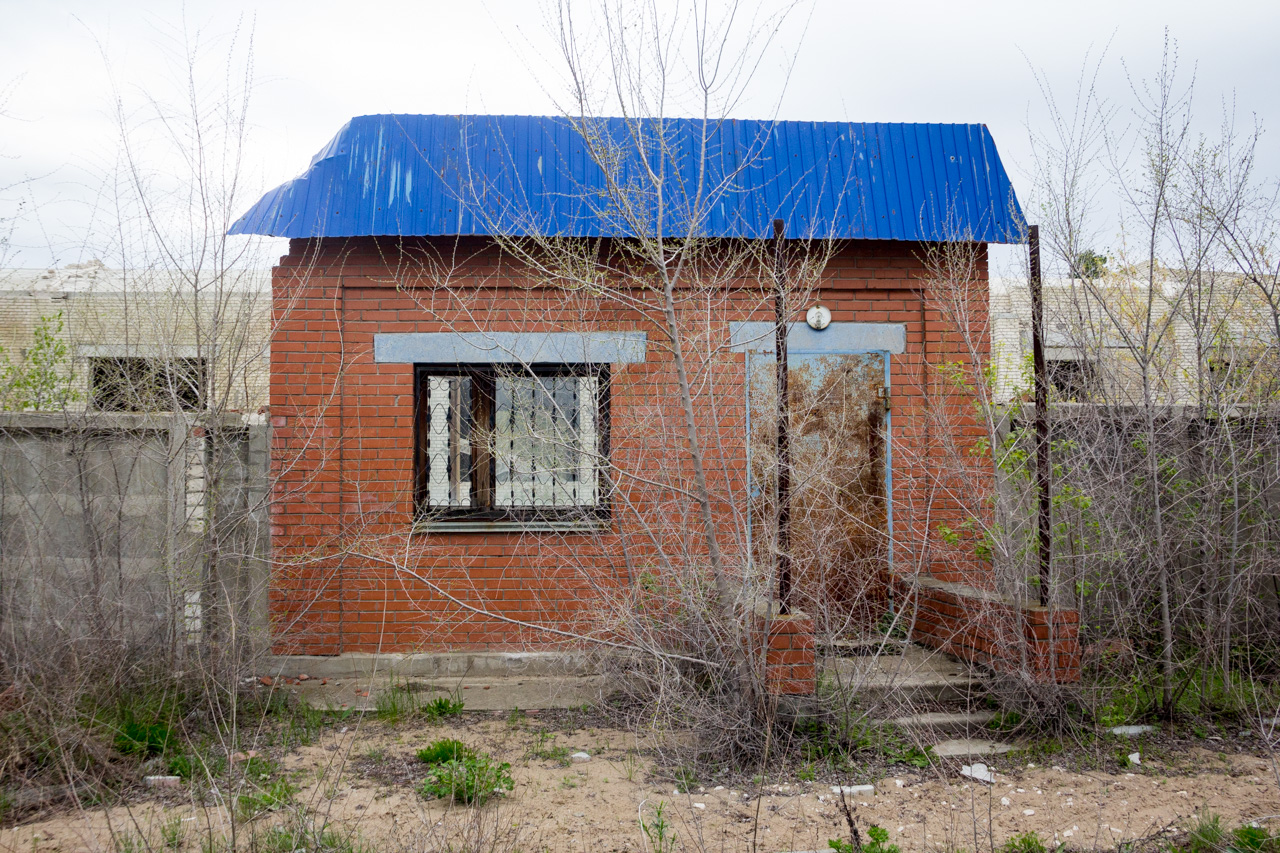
[(469, 457)]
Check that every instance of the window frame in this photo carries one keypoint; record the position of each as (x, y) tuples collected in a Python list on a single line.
[(1078, 372), (169, 375), (487, 516)]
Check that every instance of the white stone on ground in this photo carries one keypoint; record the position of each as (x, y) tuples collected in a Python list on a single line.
[(1135, 758), (1129, 731), (162, 781), (853, 789), (579, 757)]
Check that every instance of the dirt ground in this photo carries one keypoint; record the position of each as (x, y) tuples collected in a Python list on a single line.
[(359, 778)]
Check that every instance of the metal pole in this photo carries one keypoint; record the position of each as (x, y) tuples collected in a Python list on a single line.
[(784, 421), (1045, 514)]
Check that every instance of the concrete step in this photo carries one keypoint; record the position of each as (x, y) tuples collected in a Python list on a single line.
[(935, 724), (504, 693), (898, 684)]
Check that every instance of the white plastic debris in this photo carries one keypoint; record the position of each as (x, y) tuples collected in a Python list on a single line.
[(1135, 758), (978, 772)]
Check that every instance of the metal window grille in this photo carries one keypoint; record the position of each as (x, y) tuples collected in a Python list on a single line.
[(495, 445)]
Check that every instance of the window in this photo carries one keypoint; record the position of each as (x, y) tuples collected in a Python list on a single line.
[(499, 443), (1070, 379), (146, 384)]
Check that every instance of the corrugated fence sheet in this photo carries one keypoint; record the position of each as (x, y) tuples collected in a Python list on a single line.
[(523, 176)]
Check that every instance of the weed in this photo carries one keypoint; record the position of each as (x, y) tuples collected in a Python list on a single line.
[(298, 836), (446, 749), (547, 750), (442, 707), (1210, 836), (395, 704), (807, 773), (686, 776), (912, 755), (264, 794), (1040, 750), (173, 834), (1005, 721), (472, 779), (630, 764), (658, 830), (890, 743), (879, 843), (1026, 842), (142, 739), (194, 765), (259, 767), (818, 741), (130, 843), (1254, 839), (569, 782)]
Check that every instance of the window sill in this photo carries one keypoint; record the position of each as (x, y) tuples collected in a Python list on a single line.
[(594, 525)]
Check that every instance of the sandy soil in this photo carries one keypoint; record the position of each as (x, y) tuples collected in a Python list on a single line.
[(361, 781)]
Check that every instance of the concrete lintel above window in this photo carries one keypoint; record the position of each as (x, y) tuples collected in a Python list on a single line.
[(600, 347), (158, 351), (835, 338)]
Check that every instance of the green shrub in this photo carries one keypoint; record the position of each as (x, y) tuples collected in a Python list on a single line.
[(467, 780), (446, 749)]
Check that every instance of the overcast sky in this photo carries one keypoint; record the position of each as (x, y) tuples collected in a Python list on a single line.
[(318, 63)]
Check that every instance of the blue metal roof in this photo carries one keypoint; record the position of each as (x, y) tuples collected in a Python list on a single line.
[(522, 175)]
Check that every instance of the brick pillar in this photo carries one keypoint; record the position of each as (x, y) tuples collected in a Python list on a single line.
[(1054, 640), (790, 659)]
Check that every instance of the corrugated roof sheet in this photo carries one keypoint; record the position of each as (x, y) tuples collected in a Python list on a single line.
[(522, 175)]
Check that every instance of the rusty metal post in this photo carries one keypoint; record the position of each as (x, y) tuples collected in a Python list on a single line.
[(1045, 508), (784, 419)]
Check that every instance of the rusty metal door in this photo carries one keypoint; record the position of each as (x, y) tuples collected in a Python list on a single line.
[(840, 479)]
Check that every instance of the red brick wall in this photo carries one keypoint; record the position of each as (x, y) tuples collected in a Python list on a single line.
[(349, 576), (975, 625)]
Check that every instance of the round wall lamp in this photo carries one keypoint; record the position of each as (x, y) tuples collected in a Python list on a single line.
[(818, 317)]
